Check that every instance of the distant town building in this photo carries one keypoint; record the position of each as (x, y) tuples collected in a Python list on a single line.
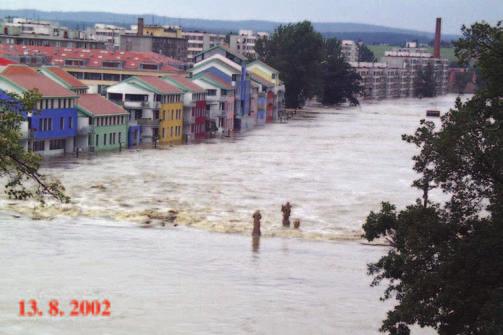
[(98, 69), (199, 41), (396, 75), (350, 50), (19, 31), (166, 41), (107, 33), (244, 42)]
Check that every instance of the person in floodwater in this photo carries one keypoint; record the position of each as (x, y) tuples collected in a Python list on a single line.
[(256, 224), (296, 223), (287, 210)]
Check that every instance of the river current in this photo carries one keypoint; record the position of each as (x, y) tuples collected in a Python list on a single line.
[(333, 165)]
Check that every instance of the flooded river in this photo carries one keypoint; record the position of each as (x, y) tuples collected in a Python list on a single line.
[(333, 165)]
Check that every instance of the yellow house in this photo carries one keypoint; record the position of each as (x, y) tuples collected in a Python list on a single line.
[(171, 119), (265, 71)]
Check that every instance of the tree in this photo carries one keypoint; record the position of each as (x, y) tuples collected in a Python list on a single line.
[(365, 54), (424, 85), (296, 51), (445, 262), (18, 166), (461, 80), (339, 81)]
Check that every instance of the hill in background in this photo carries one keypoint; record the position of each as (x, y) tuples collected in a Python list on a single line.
[(369, 34)]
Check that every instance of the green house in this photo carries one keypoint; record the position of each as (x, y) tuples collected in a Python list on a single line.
[(108, 123)]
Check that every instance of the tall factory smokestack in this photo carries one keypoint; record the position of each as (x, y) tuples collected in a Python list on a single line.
[(438, 37), (140, 27)]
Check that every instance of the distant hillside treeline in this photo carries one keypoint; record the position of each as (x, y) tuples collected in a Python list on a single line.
[(370, 34)]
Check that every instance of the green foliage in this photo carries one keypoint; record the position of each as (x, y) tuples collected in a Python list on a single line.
[(21, 167), (424, 86), (445, 263), (296, 50), (309, 65), (339, 81), (365, 54)]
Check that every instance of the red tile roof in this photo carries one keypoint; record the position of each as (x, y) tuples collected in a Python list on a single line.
[(5, 61), (29, 79), (66, 77), (98, 105), (160, 84), (94, 58), (186, 83)]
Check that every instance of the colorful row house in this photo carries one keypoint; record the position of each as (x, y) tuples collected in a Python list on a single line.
[(275, 93), (219, 100), (52, 126), (155, 109), (106, 123), (195, 112)]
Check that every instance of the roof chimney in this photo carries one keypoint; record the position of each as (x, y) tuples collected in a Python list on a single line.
[(140, 27), (438, 32)]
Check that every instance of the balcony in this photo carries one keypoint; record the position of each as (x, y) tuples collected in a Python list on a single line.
[(85, 130), (148, 122)]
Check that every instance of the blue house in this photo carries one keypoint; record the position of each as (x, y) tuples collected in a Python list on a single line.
[(53, 124)]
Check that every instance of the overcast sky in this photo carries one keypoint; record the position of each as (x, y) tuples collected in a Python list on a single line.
[(411, 14)]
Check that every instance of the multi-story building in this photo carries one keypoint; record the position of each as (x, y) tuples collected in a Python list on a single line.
[(108, 33), (165, 41), (350, 50), (244, 42), (53, 127), (417, 59), (199, 41), (19, 31), (106, 123), (98, 69), (234, 66), (148, 100), (272, 86), (195, 113), (219, 100), (65, 79)]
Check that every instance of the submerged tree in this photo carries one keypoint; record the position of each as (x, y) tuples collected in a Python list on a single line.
[(424, 85), (339, 81), (19, 166), (296, 51), (365, 54), (445, 263)]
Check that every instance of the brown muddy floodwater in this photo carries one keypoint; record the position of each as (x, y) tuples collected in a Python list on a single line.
[(333, 165)]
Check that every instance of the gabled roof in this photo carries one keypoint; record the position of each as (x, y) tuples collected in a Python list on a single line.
[(25, 78), (234, 67), (260, 63), (96, 105), (213, 79), (63, 77), (261, 80), (5, 61), (153, 84), (224, 48), (183, 83)]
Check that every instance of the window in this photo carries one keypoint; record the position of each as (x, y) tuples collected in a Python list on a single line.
[(70, 123), (57, 144), (104, 139), (120, 137), (61, 123), (171, 134), (172, 115), (163, 132), (38, 146), (97, 140)]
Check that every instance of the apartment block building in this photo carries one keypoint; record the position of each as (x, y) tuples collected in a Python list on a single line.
[(199, 41)]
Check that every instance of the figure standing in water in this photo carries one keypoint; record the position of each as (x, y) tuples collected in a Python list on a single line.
[(287, 210), (256, 224), (296, 223)]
